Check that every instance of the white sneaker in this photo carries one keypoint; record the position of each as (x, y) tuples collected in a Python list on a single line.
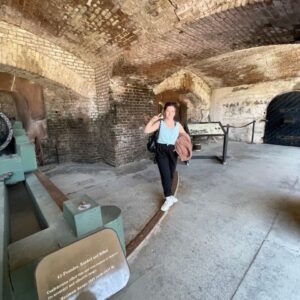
[(174, 199), (167, 204)]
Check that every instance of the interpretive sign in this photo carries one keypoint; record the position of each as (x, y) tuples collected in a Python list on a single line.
[(94, 267), (209, 128)]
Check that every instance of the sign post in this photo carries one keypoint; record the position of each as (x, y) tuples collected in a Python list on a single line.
[(210, 129)]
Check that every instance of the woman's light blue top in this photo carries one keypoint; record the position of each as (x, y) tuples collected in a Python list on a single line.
[(168, 135)]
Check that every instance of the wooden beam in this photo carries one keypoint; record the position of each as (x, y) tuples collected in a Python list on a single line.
[(140, 237), (56, 194)]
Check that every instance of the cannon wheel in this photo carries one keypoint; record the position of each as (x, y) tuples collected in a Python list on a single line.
[(6, 131)]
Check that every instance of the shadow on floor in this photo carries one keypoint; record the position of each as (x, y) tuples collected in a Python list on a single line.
[(291, 208)]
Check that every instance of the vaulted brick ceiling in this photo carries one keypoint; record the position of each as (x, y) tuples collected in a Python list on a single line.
[(155, 38), (250, 66)]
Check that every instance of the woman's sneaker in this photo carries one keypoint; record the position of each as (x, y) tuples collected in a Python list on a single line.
[(167, 204), (174, 199)]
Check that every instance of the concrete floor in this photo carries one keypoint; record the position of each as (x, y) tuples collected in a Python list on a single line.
[(234, 234), (134, 188)]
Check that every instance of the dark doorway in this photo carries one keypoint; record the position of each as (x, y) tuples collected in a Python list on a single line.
[(283, 120), (173, 96)]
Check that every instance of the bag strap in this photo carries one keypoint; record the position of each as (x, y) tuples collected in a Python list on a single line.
[(156, 133)]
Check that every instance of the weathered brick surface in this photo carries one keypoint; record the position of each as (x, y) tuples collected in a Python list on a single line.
[(182, 31), (240, 105), (25, 51), (93, 24), (102, 78), (185, 80), (130, 101), (71, 129), (79, 127), (250, 66), (222, 27)]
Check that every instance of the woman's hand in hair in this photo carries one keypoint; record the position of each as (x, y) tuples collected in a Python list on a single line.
[(156, 118), (153, 124)]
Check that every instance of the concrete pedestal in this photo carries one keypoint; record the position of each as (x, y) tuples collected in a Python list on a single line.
[(82, 220), (112, 219)]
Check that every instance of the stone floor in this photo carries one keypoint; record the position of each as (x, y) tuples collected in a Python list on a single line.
[(135, 188), (234, 234)]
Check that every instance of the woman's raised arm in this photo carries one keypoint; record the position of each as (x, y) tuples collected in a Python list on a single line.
[(153, 124)]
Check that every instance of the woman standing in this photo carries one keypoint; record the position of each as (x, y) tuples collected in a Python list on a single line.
[(166, 156)]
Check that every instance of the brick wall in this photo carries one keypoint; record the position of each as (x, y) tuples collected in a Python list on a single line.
[(76, 95), (79, 127), (102, 79), (243, 104), (72, 131), (109, 127), (130, 101)]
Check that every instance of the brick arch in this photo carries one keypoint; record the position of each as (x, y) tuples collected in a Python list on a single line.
[(29, 104), (191, 91), (173, 96), (27, 62), (190, 106), (185, 81), (282, 127)]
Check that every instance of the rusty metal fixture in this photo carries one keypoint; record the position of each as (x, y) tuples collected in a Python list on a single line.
[(6, 131), (84, 205)]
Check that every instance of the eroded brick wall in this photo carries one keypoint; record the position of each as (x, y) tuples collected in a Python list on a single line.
[(243, 104), (130, 102), (79, 127), (102, 80), (72, 127)]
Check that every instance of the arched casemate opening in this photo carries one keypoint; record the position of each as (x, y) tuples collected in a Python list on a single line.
[(22, 100), (171, 96), (62, 122), (283, 120), (190, 107), (7, 104), (192, 94)]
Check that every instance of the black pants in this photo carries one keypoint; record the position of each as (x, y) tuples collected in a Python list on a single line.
[(166, 159)]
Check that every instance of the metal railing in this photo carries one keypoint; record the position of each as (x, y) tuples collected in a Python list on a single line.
[(243, 126)]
